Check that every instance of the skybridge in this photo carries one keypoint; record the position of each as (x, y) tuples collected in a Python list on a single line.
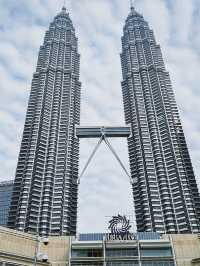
[(108, 132)]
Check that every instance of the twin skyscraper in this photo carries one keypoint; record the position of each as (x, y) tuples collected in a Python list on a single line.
[(45, 193)]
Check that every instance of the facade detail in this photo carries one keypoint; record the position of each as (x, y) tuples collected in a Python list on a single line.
[(165, 192), (44, 198), (148, 249), (6, 188)]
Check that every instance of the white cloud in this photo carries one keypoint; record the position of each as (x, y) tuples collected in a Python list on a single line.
[(105, 189)]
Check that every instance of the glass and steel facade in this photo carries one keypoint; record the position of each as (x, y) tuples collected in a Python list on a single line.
[(152, 251), (165, 192), (44, 197), (5, 198)]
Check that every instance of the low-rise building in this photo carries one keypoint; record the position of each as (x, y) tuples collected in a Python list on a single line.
[(146, 249), (142, 249), (17, 248), (186, 248)]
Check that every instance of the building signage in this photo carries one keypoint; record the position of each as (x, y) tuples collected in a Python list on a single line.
[(119, 228), (120, 237)]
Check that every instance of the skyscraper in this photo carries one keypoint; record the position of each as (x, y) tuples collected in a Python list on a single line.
[(165, 192), (5, 197), (44, 198)]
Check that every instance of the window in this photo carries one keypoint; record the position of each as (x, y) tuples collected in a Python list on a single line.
[(156, 252), (87, 263), (158, 263), (122, 252), (87, 253), (122, 263)]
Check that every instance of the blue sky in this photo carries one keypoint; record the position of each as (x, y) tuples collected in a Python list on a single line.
[(105, 189)]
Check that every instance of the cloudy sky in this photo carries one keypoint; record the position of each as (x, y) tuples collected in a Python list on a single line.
[(104, 189)]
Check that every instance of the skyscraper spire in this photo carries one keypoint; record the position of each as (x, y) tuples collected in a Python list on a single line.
[(131, 4), (133, 11), (64, 5)]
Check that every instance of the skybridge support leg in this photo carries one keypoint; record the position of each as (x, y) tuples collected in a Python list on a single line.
[(90, 158), (103, 138), (118, 159)]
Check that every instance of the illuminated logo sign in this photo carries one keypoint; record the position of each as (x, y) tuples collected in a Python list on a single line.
[(119, 227)]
